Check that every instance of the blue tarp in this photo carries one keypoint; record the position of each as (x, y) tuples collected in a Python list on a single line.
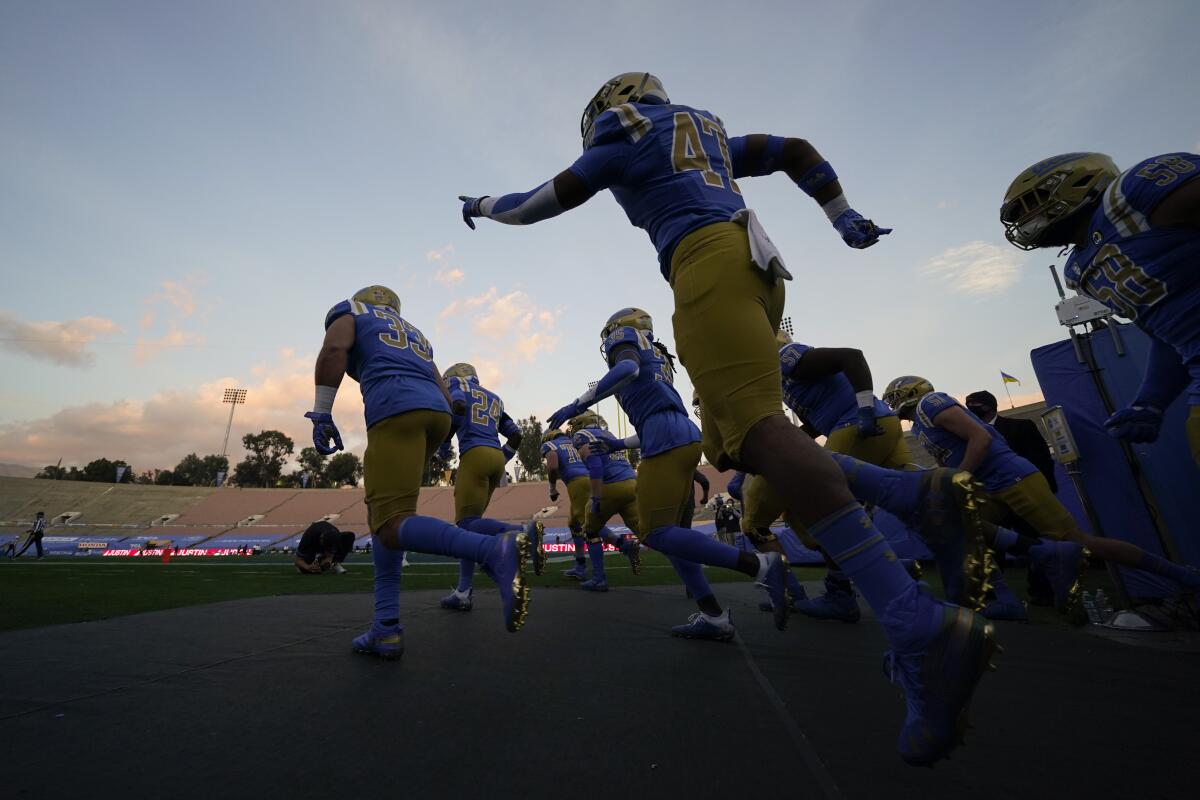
[(1107, 476)]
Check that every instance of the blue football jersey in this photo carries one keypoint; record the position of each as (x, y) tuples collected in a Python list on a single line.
[(1001, 467), (570, 465), (826, 403), (485, 419), (391, 360), (616, 465), (669, 167), (653, 405), (1145, 274)]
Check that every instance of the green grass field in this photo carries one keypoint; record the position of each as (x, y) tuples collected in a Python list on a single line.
[(62, 590)]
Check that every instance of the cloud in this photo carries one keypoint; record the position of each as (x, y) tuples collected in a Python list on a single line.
[(446, 274), (975, 268), (64, 343), (175, 302), (515, 329), (158, 431)]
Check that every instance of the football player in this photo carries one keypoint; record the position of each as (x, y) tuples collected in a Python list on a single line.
[(481, 460), (563, 462), (1135, 239), (954, 436), (641, 375), (612, 489), (674, 171), (408, 417)]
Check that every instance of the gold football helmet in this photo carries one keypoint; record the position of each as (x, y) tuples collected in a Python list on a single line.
[(905, 392), (1049, 192), (378, 296), (588, 419), (783, 337), (552, 434), (461, 370), (627, 318), (628, 87)]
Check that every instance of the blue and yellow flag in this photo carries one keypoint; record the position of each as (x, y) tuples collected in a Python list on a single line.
[(1004, 376)]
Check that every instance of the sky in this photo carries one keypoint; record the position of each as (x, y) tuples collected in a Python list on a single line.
[(186, 188)]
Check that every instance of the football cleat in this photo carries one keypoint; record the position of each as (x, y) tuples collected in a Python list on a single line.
[(387, 643), (1002, 603), (595, 585), (378, 296), (506, 566), (631, 548), (577, 572), (702, 626), (839, 602), (905, 392), (949, 523), (457, 601), (1063, 563), (1051, 191), (774, 580), (792, 599), (338, 569), (536, 533), (938, 676)]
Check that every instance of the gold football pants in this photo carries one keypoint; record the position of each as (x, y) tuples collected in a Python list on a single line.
[(619, 498), (1031, 499), (663, 484), (398, 448), (479, 472)]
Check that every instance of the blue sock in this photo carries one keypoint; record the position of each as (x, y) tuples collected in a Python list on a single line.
[(1169, 569), (1004, 539), (898, 492), (429, 535), (862, 553), (692, 545), (692, 576), (578, 541), (596, 551), (608, 537), (388, 564), (486, 526), (466, 574), (794, 586)]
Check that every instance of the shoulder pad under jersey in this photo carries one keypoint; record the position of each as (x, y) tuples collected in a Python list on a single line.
[(623, 123)]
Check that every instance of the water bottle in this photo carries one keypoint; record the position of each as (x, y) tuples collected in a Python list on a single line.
[(1104, 607), (1089, 605)]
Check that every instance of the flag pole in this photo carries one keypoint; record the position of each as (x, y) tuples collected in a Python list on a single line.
[(1006, 391)]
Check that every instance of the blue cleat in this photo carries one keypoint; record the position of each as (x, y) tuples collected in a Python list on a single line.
[(938, 672), (772, 576), (387, 643), (506, 566), (458, 601), (838, 602), (631, 548), (1003, 604), (702, 626), (949, 523), (595, 585), (577, 572), (536, 532), (794, 594)]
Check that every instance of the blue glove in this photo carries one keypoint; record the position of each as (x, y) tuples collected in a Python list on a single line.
[(560, 417), (867, 424), (323, 431), (857, 232), (596, 506), (1136, 423), (471, 209)]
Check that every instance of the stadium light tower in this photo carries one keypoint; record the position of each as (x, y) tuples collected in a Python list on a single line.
[(235, 398), (785, 325)]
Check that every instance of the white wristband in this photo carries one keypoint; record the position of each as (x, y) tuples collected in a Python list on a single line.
[(865, 399), (836, 207), (323, 404)]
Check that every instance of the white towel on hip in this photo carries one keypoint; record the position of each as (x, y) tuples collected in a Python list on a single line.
[(763, 251)]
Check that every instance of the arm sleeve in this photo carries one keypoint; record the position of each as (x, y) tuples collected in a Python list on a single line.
[(523, 208), (623, 373), (507, 427), (765, 162), (595, 465)]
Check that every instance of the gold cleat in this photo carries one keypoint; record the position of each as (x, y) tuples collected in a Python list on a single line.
[(520, 589), (538, 532)]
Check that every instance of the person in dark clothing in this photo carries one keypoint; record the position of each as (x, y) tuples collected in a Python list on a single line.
[(1022, 435), (728, 520), (35, 535), (323, 547), (1025, 439), (690, 509)]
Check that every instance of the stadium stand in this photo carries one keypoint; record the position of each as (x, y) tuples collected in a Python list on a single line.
[(98, 503), (228, 507), (310, 505)]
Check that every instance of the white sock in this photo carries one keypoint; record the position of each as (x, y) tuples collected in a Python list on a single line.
[(761, 577)]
